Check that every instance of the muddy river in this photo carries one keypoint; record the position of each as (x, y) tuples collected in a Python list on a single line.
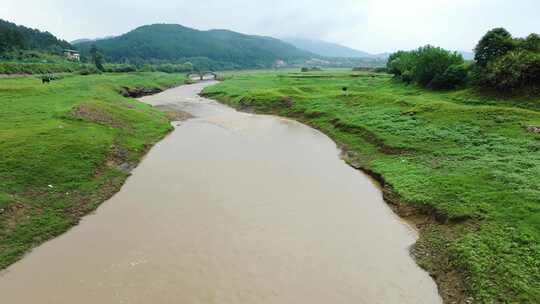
[(230, 208)]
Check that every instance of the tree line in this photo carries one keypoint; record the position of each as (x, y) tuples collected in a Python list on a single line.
[(502, 63), (15, 37)]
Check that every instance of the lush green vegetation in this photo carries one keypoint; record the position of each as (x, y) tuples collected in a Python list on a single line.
[(470, 161), (38, 62), (429, 66), (508, 64), (62, 147), (15, 37), (215, 49), (29, 51), (11, 67), (502, 63)]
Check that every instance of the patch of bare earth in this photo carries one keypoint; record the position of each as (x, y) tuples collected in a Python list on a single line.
[(95, 114), (533, 129), (13, 214)]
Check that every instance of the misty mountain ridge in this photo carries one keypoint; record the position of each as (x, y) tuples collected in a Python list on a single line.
[(82, 40), (329, 49), (213, 49)]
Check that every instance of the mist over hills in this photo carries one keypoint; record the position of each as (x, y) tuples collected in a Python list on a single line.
[(82, 40), (326, 49), (217, 49), (212, 49)]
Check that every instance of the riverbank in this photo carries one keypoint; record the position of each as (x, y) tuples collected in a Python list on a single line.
[(68, 146), (197, 222), (462, 166)]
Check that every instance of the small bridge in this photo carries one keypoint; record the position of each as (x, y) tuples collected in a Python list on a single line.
[(202, 75)]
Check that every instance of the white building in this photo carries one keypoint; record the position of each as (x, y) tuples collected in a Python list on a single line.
[(72, 55)]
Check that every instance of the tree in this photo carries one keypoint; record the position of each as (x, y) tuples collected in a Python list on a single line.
[(428, 66), (399, 62), (507, 64), (97, 58), (493, 45), (432, 62), (531, 43), (454, 76), (516, 70)]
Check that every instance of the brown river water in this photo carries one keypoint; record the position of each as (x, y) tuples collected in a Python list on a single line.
[(230, 208)]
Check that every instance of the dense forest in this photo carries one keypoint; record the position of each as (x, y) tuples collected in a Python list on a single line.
[(214, 49), (15, 37)]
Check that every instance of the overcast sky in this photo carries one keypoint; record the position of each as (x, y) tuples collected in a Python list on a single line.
[(370, 25)]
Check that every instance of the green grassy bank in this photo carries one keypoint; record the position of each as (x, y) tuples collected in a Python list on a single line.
[(464, 167), (65, 148)]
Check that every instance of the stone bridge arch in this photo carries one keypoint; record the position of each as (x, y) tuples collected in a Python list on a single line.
[(202, 75)]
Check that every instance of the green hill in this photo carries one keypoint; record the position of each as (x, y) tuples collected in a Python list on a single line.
[(216, 49), (16, 37)]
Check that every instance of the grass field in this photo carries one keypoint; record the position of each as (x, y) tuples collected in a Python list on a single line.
[(470, 162), (64, 148)]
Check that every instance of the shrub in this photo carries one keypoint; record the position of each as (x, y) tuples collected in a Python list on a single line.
[(37, 68), (174, 67), (428, 66), (513, 71), (120, 68), (431, 62), (454, 76), (400, 62), (407, 76), (89, 70), (531, 43), (313, 69), (507, 64)]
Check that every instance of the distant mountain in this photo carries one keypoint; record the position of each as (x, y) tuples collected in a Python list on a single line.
[(17, 37), (327, 49), (382, 56), (467, 55), (77, 41), (215, 49)]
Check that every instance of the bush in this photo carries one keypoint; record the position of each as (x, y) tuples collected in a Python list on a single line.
[(400, 62), (120, 68), (37, 68), (454, 76), (312, 69), (174, 67), (89, 70), (513, 71), (507, 64), (432, 62), (428, 66), (531, 43)]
